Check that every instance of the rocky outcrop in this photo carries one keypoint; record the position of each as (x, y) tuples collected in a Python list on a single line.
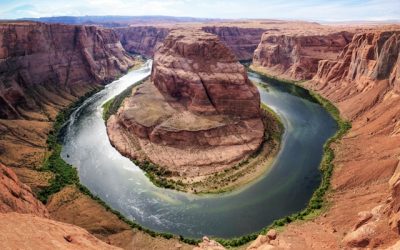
[(16, 196), (199, 114), (23, 231), (208, 244), (141, 39), (296, 56), (43, 69), (38, 60), (242, 41), (363, 82)]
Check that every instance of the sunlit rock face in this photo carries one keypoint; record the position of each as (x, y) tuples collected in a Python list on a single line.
[(296, 56), (38, 60), (198, 114)]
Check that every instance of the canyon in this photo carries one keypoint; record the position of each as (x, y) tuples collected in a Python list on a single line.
[(363, 82), (46, 67), (294, 56), (198, 115)]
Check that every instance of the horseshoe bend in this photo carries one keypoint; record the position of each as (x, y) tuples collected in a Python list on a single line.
[(198, 115), (260, 131)]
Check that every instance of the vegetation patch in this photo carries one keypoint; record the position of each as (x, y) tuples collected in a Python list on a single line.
[(111, 106)]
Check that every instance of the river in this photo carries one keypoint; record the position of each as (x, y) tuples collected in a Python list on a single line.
[(283, 190)]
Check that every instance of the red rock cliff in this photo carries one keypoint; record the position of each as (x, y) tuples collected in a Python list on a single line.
[(44, 68), (364, 83), (242, 41), (38, 58), (141, 39), (198, 115), (297, 56)]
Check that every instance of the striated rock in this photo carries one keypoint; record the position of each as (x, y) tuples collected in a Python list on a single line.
[(369, 57), (16, 196), (141, 39), (44, 57), (23, 231), (242, 41), (199, 113), (363, 82), (203, 74), (43, 69), (297, 56)]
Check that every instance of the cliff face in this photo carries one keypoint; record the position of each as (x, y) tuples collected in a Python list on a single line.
[(37, 58), (297, 56), (364, 83), (16, 196), (142, 39), (44, 68), (198, 114), (242, 41)]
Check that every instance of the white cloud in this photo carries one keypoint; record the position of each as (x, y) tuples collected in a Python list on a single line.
[(278, 9)]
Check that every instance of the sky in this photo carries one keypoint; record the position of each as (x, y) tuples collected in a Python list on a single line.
[(314, 10)]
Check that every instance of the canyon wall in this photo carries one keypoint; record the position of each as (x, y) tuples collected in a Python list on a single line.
[(199, 114), (38, 58), (364, 83), (296, 56), (141, 39), (44, 68), (25, 221), (242, 41)]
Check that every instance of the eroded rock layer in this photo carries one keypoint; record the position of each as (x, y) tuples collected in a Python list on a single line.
[(142, 39), (36, 58), (242, 41), (198, 114), (364, 83), (44, 68), (296, 56), (16, 196)]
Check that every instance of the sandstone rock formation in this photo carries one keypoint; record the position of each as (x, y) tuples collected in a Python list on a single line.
[(208, 244), (296, 56), (364, 83), (44, 68), (23, 231), (41, 57), (16, 196), (142, 39), (199, 114), (242, 41)]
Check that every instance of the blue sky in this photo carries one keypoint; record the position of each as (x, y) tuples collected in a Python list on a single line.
[(318, 10)]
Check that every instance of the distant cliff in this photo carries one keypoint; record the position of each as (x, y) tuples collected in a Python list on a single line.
[(39, 60), (242, 41), (142, 39), (297, 56)]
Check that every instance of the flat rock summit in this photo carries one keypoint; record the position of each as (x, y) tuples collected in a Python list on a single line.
[(198, 114)]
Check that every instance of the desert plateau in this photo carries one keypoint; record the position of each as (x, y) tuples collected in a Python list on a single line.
[(205, 125)]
